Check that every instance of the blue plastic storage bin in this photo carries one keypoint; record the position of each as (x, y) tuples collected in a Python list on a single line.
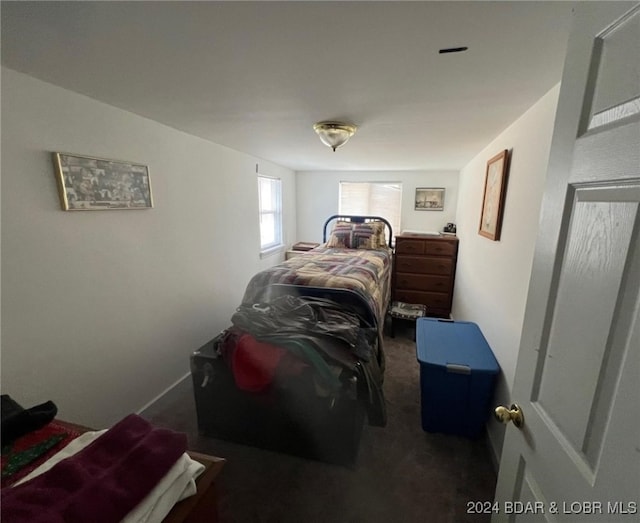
[(457, 376)]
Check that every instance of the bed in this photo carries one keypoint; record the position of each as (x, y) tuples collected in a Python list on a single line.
[(362, 270), (302, 365)]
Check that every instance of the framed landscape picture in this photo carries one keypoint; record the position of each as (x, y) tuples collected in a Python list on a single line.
[(429, 199), (495, 186), (96, 184)]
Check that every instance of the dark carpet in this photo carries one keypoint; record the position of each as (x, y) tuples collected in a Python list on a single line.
[(402, 474)]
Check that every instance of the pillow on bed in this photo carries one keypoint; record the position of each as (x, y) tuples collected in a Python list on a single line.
[(347, 235)]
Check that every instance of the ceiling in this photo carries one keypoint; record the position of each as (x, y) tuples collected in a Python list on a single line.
[(256, 76)]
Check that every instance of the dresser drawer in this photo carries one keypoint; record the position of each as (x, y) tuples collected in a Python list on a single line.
[(424, 265), (422, 282), (433, 300), (409, 246), (440, 248)]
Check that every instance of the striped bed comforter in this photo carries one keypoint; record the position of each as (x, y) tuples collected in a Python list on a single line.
[(365, 271)]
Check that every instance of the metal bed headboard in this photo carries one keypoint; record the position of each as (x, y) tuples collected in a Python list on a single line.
[(354, 218)]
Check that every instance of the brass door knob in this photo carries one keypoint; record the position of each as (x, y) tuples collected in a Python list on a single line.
[(514, 414)]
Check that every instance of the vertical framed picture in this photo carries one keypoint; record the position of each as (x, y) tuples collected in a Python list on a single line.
[(97, 184), (429, 199), (495, 186)]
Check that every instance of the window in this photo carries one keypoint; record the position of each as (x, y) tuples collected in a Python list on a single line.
[(270, 198), (372, 199)]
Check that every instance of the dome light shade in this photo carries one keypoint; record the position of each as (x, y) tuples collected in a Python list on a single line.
[(334, 134)]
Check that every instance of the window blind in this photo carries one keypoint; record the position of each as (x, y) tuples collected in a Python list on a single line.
[(372, 198), (270, 201)]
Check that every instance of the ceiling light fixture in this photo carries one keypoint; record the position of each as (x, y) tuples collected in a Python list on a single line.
[(334, 134)]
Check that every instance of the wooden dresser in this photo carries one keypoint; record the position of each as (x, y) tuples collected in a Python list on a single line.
[(424, 271)]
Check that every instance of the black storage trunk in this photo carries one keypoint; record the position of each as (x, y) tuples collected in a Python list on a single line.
[(290, 418)]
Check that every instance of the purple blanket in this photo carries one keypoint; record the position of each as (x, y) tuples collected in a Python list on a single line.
[(103, 482)]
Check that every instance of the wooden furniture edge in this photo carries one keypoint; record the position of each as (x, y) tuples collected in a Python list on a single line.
[(195, 508)]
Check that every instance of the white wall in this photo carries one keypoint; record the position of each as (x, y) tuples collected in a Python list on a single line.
[(101, 310), (318, 193), (492, 278)]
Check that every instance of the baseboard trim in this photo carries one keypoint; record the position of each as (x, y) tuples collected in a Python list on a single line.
[(165, 391)]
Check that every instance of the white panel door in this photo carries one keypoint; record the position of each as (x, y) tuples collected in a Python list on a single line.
[(577, 457)]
